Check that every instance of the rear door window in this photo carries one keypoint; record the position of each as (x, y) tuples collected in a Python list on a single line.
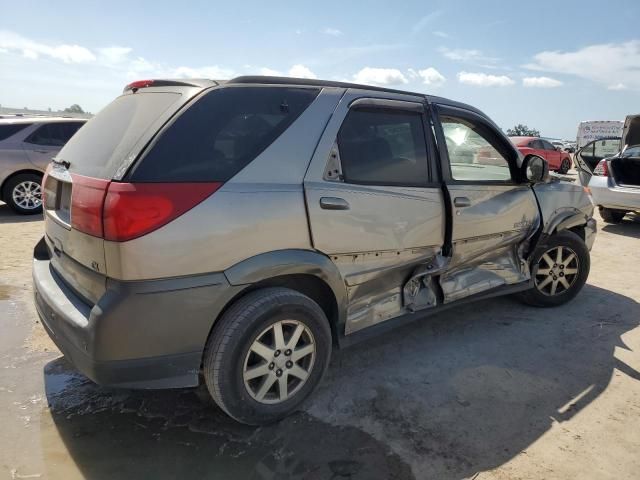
[(383, 147), (54, 134), (221, 133), (11, 129)]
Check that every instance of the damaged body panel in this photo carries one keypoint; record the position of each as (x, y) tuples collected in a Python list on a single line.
[(453, 220)]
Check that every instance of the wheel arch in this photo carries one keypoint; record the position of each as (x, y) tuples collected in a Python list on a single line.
[(308, 272)]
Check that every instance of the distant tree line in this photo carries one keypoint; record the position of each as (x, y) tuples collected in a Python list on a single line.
[(521, 130)]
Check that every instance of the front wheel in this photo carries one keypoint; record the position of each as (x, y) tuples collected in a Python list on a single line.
[(565, 166), (560, 267), (266, 355)]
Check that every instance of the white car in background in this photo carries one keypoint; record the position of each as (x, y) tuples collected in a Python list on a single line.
[(610, 167)]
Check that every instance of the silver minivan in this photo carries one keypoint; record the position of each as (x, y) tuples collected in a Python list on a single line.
[(233, 233), (27, 145)]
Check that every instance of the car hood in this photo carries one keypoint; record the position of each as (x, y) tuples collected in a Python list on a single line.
[(631, 131)]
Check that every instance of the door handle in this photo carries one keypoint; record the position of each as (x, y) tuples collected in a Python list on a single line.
[(461, 202), (334, 203)]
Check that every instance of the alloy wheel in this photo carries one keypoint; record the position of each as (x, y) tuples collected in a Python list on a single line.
[(557, 270), (27, 195), (279, 362)]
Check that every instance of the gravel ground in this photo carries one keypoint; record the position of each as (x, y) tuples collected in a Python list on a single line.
[(493, 390)]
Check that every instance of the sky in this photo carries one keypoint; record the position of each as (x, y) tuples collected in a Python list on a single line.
[(547, 64)]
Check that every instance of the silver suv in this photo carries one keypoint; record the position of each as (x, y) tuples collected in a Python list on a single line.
[(27, 145), (233, 233)]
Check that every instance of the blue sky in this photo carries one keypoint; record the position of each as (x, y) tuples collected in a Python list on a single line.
[(550, 65)]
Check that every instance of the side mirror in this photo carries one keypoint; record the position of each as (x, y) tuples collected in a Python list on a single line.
[(559, 149), (535, 168)]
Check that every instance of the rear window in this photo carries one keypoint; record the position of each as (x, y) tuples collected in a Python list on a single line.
[(105, 142), (9, 130), (221, 133)]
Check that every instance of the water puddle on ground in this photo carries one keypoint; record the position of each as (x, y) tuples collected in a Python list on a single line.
[(93, 432)]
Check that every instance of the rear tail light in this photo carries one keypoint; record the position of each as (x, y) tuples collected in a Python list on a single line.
[(602, 169), (124, 211), (135, 209), (87, 199)]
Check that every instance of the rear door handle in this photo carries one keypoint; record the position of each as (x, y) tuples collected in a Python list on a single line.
[(461, 202), (334, 203)]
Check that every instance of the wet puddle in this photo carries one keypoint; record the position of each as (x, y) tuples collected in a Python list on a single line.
[(103, 433)]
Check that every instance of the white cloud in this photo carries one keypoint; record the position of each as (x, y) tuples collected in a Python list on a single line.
[(113, 55), (380, 76), (484, 80), (429, 76), (300, 71), (471, 56), (440, 34), (541, 82), (270, 72), (334, 32), (617, 86), (609, 64), (213, 72), (12, 42)]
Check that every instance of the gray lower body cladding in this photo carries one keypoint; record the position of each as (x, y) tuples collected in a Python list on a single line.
[(142, 334)]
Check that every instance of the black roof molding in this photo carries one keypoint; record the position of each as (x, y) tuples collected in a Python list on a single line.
[(269, 80)]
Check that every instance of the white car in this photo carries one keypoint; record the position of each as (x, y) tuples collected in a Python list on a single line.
[(610, 167)]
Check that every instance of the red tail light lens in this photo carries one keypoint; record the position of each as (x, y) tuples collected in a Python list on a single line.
[(135, 209), (602, 169), (138, 84), (87, 198)]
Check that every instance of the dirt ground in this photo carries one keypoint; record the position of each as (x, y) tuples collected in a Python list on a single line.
[(493, 390)]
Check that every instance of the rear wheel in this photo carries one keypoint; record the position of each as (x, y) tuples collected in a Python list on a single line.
[(612, 216), (565, 166), (267, 355), (560, 268), (23, 193)]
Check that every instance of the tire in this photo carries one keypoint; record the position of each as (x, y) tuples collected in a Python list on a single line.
[(544, 294), (229, 355), (612, 216), (565, 166), (23, 193)]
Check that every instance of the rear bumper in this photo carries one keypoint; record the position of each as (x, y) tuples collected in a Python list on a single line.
[(146, 334), (607, 194)]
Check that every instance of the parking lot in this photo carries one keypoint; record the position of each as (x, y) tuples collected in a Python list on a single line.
[(487, 391)]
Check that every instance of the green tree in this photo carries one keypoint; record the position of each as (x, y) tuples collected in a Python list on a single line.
[(75, 108), (521, 130)]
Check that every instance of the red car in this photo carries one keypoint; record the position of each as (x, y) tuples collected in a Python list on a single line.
[(558, 160)]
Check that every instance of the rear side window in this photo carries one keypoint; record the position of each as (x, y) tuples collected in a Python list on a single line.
[(221, 133), (383, 147), (9, 130), (54, 134)]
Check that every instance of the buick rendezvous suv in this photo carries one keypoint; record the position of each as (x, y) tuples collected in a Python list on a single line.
[(233, 233)]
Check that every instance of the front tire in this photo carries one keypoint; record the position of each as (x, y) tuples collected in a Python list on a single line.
[(23, 193), (559, 267), (266, 355), (612, 216)]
